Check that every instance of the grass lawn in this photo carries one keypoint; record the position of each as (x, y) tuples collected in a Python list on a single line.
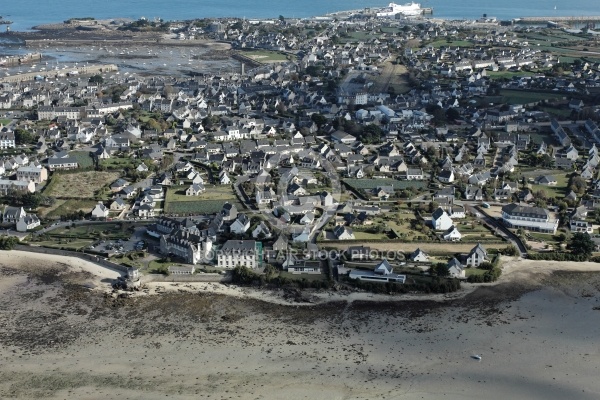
[(4, 121), (79, 185), (474, 271), (71, 206)]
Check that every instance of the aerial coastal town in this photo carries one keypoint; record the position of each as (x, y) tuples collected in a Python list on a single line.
[(366, 150)]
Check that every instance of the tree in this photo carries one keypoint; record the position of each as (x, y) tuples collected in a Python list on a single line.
[(8, 242), (96, 79), (582, 245), (23, 137), (319, 119)]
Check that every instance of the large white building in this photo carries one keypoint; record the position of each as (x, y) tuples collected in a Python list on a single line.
[(245, 253), (532, 218)]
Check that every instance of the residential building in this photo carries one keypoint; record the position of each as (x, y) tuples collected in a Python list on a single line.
[(527, 217), (20, 186), (245, 253), (7, 140), (12, 214), (440, 220), (27, 223), (100, 211), (476, 256), (32, 174)]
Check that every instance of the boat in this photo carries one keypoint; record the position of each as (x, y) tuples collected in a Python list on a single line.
[(476, 357), (408, 9)]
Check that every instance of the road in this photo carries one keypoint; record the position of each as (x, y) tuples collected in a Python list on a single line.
[(499, 228)]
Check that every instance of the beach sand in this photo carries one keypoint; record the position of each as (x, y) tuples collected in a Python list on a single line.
[(536, 331)]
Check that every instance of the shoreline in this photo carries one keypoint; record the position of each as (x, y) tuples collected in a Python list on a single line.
[(517, 272)]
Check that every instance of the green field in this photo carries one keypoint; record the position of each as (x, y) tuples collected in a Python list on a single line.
[(367, 184), (4, 121), (265, 56), (213, 192), (197, 207), (117, 163), (94, 231), (452, 43), (557, 191), (83, 158), (526, 96)]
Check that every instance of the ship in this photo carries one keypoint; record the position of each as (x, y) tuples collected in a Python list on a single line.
[(408, 9)]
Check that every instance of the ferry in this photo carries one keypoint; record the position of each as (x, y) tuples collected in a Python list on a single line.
[(408, 9)]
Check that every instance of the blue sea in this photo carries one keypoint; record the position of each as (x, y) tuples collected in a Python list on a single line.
[(28, 13)]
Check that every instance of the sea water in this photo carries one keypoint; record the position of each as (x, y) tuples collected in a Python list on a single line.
[(28, 13)]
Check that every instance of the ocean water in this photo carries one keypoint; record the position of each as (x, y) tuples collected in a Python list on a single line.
[(28, 13)]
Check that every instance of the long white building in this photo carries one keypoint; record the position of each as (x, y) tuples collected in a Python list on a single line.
[(532, 218)]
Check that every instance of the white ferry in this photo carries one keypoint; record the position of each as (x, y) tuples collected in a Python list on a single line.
[(408, 9)]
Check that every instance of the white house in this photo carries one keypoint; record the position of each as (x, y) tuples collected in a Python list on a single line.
[(452, 234), (240, 225), (28, 222), (100, 211), (224, 178), (456, 269), (419, 256), (440, 220), (194, 190)]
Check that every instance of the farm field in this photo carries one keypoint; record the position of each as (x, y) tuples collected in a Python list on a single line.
[(79, 185)]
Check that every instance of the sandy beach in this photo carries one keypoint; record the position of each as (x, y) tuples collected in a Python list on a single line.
[(535, 330)]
